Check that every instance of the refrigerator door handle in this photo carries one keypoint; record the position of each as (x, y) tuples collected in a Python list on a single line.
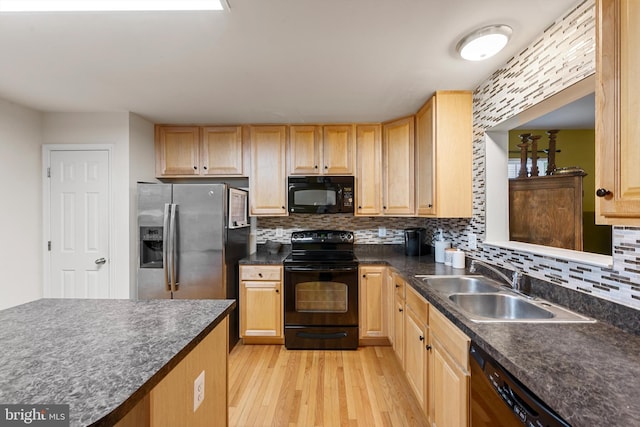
[(166, 242), (174, 249)]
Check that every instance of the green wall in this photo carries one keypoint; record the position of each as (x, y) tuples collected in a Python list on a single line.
[(577, 148)]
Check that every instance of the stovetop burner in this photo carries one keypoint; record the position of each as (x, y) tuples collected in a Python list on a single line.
[(326, 246)]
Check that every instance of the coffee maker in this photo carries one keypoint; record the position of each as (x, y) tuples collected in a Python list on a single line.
[(415, 242)]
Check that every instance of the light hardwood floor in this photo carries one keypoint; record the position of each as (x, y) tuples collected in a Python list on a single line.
[(272, 386)]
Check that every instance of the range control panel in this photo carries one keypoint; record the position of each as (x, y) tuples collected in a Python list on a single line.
[(321, 236)]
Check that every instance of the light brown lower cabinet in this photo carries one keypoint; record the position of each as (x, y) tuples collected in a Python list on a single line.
[(434, 354), (449, 373), (261, 304), (372, 309), (398, 317), (416, 337), (171, 401)]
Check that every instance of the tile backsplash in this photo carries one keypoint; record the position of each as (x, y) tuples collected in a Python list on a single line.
[(366, 229)]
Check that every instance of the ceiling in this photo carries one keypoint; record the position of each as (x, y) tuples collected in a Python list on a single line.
[(580, 114), (265, 61)]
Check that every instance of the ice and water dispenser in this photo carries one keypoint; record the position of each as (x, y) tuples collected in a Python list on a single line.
[(151, 244)]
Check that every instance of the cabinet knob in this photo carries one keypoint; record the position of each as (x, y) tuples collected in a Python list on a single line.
[(315, 166), (277, 291), (195, 168), (384, 207), (430, 205), (282, 207), (397, 286), (400, 310), (421, 338), (359, 207), (204, 167), (428, 347), (326, 167), (259, 274), (602, 192), (364, 276)]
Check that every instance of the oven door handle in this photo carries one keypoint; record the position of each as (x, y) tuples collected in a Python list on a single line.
[(321, 269)]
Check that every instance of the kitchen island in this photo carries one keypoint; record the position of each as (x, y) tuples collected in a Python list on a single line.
[(117, 362)]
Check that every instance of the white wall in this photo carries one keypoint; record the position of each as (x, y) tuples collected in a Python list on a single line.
[(21, 206), (141, 168), (103, 128)]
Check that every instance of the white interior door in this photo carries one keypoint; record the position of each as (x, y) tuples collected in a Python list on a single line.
[(79, 224)]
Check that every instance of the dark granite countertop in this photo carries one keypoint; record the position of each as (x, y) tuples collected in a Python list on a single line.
[(587, 372), (99, 356)]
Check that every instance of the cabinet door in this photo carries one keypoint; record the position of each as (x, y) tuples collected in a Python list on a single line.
[(425, 166), (398, 329), (338, 150), (177, 150), (450, 388), (268, 180), (444, 148), (222, 151), (390, 306), (617, 112), (415, 355), (368, 170), (372, 295), (454, 149), (304, 150), (260, 309), (398, 166)]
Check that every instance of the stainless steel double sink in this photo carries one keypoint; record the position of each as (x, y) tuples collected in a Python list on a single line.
[(485, 300)]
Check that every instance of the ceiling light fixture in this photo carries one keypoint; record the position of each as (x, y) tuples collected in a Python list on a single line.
[(110, 5), (484, 42)]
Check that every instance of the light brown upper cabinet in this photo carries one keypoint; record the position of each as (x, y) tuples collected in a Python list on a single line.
[(268, 178), (305, 150), (398, 166), (321, 150), (193, 151), (444, 146), (617, 112), (177, 151), (368, 170), (222, 151)]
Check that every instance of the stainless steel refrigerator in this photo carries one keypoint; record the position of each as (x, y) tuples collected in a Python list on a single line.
[(191, 237)]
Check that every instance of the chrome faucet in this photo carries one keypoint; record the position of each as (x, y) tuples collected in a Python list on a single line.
[(515, 282)]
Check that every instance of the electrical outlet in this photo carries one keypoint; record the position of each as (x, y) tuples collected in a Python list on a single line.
[(279, 232), (473, 241), (382, 232), (198, 391)]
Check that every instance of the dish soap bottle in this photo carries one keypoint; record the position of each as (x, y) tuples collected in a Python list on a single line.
[(440, 246)]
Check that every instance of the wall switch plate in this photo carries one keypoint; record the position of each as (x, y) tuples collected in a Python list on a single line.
[(198, 391), (382, 231), (473, 241), (279, 232)]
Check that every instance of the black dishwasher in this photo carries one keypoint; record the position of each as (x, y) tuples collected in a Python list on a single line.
[(500, 400)]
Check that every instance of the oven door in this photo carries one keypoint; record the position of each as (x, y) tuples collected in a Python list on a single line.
[(321, 295)]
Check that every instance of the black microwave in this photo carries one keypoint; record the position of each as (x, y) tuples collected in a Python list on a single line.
[(320, 194)]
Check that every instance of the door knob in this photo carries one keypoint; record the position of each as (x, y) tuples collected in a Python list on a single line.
[(100, 261)]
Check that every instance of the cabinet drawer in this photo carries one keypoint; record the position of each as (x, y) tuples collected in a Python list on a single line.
[(260, 272), (418, 304), (453, 339)]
